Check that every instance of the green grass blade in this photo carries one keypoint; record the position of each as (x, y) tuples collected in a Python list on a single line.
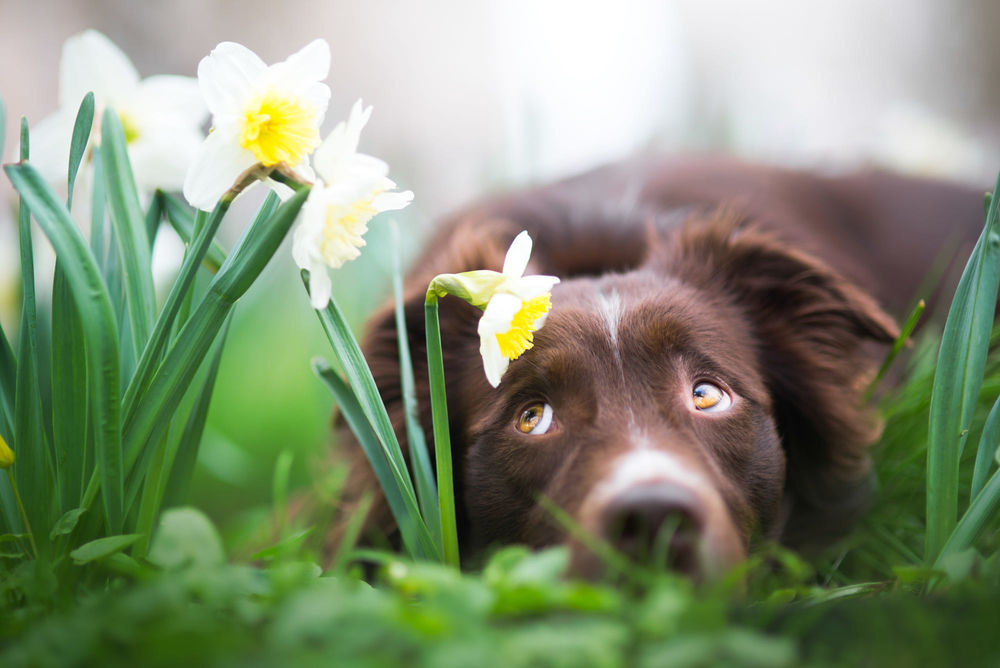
[(988, 442), (33, 470), (98, 224), (442, 432), (184, 457), (961, 362), (100, 332), (897, 346), (367, 438), (359, 376), (130, 233), (152, 353), (155, 408), (8, 388), (422, 472), (78, 145), (69, 392), (153, 215), (981, 511), (182, 220)]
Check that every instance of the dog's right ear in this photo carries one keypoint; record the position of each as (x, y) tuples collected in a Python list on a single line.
[(812, 328)]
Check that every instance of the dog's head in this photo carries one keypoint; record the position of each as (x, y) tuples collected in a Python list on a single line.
[(676, 402)]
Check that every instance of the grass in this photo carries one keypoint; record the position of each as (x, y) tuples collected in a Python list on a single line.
[(915, 583)]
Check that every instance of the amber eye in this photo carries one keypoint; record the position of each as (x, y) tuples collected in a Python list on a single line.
[(709, 397), (535, 419)]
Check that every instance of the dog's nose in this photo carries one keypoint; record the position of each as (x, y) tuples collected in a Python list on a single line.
[(655, 524)]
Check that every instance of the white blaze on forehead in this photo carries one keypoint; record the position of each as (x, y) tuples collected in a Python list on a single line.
[(611, 309)]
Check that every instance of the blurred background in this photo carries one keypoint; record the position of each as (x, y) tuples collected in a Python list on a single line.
[(474, 97)]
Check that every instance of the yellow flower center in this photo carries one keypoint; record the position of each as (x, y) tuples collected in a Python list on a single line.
[(279, 129), (520, 336), (344, 230), (129, 128)]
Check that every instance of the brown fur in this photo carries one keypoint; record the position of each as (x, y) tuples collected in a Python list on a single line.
[(757, 277)]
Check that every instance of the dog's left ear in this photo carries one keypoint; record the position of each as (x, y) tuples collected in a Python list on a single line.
[(814, 329)]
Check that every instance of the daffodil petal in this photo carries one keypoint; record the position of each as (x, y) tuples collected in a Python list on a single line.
[(494, 362), (92, 62), (338, 149), (517, 255), (320, 287), (311, 62), (225, 77), (219, 162), (50, 140), (393, 201), (529, 287), (498, 314), (161, 159), (168, 100)]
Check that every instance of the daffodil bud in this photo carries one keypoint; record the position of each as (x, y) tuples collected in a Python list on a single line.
[(6, 455), (475, 287)]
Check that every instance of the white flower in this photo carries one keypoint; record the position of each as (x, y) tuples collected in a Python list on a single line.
[(267, 115), (518, 308), (352, 189), (161, 115)]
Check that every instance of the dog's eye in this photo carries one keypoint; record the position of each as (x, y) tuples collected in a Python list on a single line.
[(535, 419), (709, 397)]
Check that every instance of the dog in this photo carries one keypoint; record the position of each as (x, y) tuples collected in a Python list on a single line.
[(703, 366)]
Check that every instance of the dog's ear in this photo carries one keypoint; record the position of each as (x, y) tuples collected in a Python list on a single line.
[(814, 331), (465, 249)]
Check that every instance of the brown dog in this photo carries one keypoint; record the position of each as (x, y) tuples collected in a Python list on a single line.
[(703, 364)]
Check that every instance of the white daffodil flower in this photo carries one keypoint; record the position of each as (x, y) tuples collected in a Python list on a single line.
[(514, 306), (261, 115), (518, 308), (351, 189), (161, 115)]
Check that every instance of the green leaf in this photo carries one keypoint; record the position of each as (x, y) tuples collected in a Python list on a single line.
[(423, 474), (8, 387), (33, 469), (359, 378), (69, 391), (103, 547), (155, 408), (959, 374), (66, 523), (982, 510), (988, 442), (442, 432), (351, 410), (78, 145), (130, 233), (186, 454), (100, 331), (181, 219)]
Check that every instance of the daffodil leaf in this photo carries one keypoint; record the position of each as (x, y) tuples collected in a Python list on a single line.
[(78, 145), (130, 233), (103, 547), (186, 453), (33, 473), (100, 331), (957, 379), (181, 219), (8, 387), (66, 523), (154, 408)]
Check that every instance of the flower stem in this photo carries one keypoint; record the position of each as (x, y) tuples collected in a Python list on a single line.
[(24, 515), (442, 435)]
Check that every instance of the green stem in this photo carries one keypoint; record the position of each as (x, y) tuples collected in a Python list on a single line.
[(24, 515), (442, 435)]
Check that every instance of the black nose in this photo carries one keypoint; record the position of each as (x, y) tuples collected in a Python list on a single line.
[(655, 524)]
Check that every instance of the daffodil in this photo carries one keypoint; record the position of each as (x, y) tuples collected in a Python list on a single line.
[(351, 189), (262, 114), (514, 306), (161, 115), (6, 455)]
